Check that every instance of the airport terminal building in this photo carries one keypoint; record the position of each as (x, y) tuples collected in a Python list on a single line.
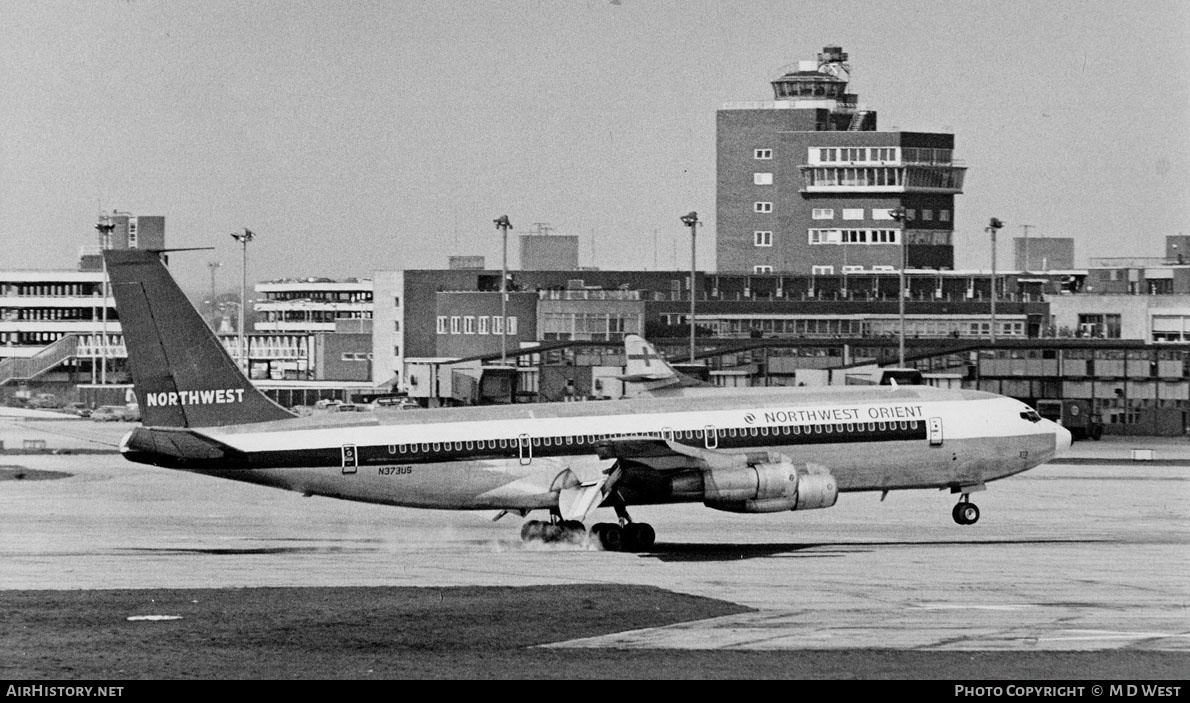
[(818, 212)]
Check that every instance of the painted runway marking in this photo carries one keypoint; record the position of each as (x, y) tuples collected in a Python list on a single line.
[(1111, 635), (960, 606)]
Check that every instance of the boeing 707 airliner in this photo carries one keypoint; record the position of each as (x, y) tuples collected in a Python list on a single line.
[(742, 450)]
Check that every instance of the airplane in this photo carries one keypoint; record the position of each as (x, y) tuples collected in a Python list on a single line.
[(740, 450)]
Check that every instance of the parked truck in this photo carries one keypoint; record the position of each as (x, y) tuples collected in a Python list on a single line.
[(1074, 415)]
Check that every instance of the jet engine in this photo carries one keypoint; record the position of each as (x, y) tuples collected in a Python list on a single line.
[(767, 487)]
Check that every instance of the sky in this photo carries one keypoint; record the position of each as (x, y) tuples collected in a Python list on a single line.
[(354, 136)]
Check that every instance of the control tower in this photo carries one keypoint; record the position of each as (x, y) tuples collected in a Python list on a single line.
[(806, 184)]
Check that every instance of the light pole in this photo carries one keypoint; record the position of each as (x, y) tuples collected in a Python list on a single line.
[(503, 225), (691, 221), (901, 215), (104, 227), (243, 238), (992, 227)]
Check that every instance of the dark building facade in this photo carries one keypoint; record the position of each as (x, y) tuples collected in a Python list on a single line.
[(806, 183)]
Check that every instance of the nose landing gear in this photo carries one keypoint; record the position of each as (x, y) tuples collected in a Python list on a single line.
[(965, 512)]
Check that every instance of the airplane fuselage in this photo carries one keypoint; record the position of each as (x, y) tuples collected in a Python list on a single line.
[(517, 457)]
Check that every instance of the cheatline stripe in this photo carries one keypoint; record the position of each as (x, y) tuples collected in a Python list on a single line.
[(581, 446)]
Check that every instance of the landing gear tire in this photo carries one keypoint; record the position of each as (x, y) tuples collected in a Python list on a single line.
[(965, 513), (639, 536), (609, 535), (533, 531), (572, 531)]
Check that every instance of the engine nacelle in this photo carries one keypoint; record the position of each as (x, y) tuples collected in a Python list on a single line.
[(816, 491), (767, 488)]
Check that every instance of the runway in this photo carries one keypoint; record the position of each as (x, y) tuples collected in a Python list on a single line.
[(1069, 558)]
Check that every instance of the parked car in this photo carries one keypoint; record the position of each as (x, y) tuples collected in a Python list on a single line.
[(350, 408), (395, 404), (115, 413), (78, 408), (43, 401)]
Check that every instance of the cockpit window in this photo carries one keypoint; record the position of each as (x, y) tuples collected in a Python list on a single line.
[(1030, 415)]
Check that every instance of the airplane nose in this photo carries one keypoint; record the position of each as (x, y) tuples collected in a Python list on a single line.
[(1062, 439)]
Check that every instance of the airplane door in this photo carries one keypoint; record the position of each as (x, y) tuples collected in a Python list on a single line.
[(350, 459), (526, 448), (710, 437), (935, 428)]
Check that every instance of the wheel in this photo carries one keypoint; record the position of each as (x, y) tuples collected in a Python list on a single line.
[(965, 513), (639, 536), (609, 535), (552, 532), (573, 531), (532, 531)]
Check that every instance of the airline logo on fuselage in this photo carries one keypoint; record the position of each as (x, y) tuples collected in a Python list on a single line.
[(895, 412), (208, 397)]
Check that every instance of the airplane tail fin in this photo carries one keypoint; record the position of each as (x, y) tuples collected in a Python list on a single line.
[(644, 363), (182, 375), (646, 372)]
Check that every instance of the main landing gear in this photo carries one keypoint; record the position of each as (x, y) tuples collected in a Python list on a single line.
[(965, 512), (554, 532), (629, 537), (622, 536)]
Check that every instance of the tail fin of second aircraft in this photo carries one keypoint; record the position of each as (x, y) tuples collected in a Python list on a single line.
[(643, 362), (646, 372), (182, 375)]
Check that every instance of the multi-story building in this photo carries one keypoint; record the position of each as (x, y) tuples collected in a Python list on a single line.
[(311, 329), (53, 327), (61, 326), (453, 313), (806, 184), (311, 304)]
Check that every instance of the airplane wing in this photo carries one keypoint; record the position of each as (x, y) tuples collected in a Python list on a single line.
[(652, 469), (663, 454)]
